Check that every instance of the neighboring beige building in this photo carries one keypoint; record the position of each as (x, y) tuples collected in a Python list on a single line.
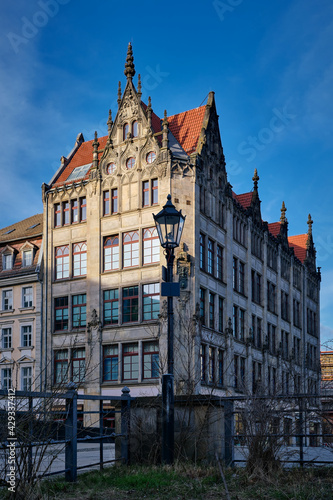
[(21, 301), (249, 306)]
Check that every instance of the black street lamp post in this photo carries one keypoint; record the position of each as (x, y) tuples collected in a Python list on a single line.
[(169, 224)]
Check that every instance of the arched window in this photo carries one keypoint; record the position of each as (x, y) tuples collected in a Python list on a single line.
[(125, 131), (131, 249), (111, 253), (135, 129)]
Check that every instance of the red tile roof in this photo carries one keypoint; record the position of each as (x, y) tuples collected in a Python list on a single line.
[(82, 156), (23, 229), (244, 199), (274, 228), (298, 243), (186, 128)]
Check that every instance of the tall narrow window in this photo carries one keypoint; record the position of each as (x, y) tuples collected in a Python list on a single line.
[(242, 373), (79, 310), (131, 249), (6, 338), (236, 379), (210, 260), (150, 360), (235, 321), (154, 192), (60, 366), (110, 365), (75, 211), (61, 313), (57, 215), (7, 300), (26, 382), (83, 209), (220, 367), (202, 306), (151, 301), (235, 273), (26, 336), (203, 362), (220, 314), (241, 287), (211, 310), (27, 296), (130, 304), (219, 263), (211, 365), (151, 246), (114, 201), (80, 259), (145, 194), (65, 208), (202, 252), (241, 324), (78, 365), (6, 379), (111, 309), (135, 129), (111, 253), (106, 203), (130, 362), (7, 261), (125, 131), (62, 262)]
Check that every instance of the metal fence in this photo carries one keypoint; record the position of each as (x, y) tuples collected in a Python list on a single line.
[(37, 424)]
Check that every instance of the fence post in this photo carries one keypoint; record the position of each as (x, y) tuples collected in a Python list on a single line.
[(71, 434), (301, 432), (30, 436), (101, 455), (125, 425), (228, 433)]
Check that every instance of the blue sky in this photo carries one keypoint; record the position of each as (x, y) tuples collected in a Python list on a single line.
[(269, 63)]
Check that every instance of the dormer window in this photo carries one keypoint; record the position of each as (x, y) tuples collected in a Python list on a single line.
[(27, 258), (125, 131), (135, 129), (7, 261)]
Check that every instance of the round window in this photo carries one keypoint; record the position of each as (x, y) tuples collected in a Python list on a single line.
[(111, 168), (151, 157), (130, 163)]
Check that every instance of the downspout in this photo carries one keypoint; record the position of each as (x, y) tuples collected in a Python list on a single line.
[(40, 281)]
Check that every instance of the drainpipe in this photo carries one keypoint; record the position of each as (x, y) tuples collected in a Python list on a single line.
[(46, 287)]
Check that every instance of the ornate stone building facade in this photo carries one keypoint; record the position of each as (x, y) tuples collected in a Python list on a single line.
[(248, 313), (21, 300)]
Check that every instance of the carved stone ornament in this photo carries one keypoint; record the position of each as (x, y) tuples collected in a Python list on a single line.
[(129, 109), (93, 324), (183, 267)]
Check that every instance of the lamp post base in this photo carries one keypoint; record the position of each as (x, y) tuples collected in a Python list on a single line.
[(168, 436)]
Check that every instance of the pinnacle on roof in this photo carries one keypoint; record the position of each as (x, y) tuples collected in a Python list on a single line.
[(283, 218), (119, 93), (310, 222), (110, 122), (129, 65), (139, 86), (255, 179)]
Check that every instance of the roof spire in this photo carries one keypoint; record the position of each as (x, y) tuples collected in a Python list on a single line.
[(119, 93), (283, 218), (95, 145), (129, 65), (310, 222), (255, 179), (109, 122), (165, 125), (139, 87)]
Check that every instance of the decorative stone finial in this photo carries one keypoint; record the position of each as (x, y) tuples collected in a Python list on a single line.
[(109, 122), (165, 130), (129, 65), (149, 110), (119, 94), (95, 145), (255, 179), (310, 222), (283, 218), (139, 87)]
